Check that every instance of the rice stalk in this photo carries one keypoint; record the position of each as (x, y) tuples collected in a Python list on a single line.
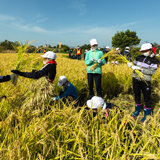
[(21, 52)]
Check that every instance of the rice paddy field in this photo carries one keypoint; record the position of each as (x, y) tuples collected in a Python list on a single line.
[(34, 128)]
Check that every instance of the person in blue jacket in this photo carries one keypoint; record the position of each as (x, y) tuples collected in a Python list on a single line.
[(127, 54), (68, 89)]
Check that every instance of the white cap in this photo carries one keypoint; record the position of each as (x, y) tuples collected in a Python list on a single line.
[(146, 46), (127, 48), (62, 80), (86, 50), (93, 42), (108, 47), (117, 49), (95, 102), (50, 55)]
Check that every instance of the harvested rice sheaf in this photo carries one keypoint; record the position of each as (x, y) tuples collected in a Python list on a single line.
[(38, 93)]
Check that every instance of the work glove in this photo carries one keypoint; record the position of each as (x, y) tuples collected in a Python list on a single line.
[(18, 72), (130, 64), (54, 98), (135, 67), (99, 61), (93, 59)]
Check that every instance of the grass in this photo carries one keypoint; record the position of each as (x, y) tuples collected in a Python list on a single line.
[(35, 129)]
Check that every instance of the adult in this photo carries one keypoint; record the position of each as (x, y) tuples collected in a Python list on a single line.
[(127, 54), (94, 56), (78, 53), (68, 89), (70, 52), (148, 66), (49, 69)]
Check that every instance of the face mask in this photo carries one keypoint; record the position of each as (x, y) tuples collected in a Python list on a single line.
[(146, 54), (94, 47)]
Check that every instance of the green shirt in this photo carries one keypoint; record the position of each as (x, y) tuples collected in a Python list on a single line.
[(97, 54)]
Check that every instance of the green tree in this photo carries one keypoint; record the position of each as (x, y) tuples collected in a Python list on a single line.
[(124, 39)]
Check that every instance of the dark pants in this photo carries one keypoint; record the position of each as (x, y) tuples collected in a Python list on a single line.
[(97, 78), (78, 57), (146, 90)]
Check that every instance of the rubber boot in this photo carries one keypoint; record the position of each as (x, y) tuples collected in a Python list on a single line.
[(137, 110), (147, 111)]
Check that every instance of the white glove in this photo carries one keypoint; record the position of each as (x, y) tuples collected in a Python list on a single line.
[(157, 54), (93, 59), (135, 67), (130, 64), (53, 98), (99, 61), (11, 76)]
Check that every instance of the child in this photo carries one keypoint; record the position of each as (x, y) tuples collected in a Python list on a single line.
[(97, 102), (148, 66), (68, 89), (93, 56), (49, 70)]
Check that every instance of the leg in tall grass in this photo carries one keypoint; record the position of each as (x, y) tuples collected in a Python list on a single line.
[(137, 92), (146, 89), (90, 83), (97, 78)]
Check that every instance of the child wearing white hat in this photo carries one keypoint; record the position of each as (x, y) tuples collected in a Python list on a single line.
[(68, 89), (93, 56), (127, 54), (147, 64), (97, 102), (49, 70)]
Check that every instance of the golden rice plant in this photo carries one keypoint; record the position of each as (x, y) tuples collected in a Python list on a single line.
[(140, 75), (21, 52)]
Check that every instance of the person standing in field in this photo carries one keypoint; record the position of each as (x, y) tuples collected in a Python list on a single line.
[(148, 66), (92, 56), (49, 69), (68, 89), (105, 52), (85, 53), (78, 53), (127, 54)]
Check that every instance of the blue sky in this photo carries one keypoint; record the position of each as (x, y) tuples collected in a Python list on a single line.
[(75, 22)]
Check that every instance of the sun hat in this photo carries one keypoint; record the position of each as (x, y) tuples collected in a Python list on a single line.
[(108, 47), (62, 80), (50, 55), (95, 102), (146, 46), (93, 42), (127, 48)]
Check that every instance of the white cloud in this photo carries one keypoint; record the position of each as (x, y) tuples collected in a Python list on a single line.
[(6, 18)]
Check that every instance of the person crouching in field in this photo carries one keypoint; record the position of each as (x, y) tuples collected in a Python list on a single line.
[(98, 103), (49, 70), (68, 89), (147, 64), (93, 56)]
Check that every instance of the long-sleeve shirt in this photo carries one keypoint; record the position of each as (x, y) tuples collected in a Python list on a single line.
[(149, 66), (5, 78), (97, 54), (69, 90)]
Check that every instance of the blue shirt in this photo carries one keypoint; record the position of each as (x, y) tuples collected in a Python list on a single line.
[(70, 90)]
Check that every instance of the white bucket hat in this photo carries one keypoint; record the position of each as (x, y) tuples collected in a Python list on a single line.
[(117, 49), (93, 42), (127, 48), (50, 55), (108, 47), (146, 46), (95, 102), (62, 80)]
